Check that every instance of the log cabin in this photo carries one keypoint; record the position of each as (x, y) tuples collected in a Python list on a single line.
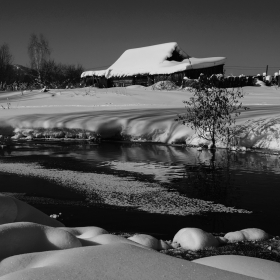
[(148, 65)]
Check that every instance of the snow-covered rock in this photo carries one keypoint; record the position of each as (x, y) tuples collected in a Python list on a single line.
[(195, 239), (85, 233), (150, 242), (146, 240), (14, 210), (26, 237), (104, 239), (248, 234)]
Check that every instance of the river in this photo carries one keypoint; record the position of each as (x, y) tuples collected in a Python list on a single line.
[(248, 180)]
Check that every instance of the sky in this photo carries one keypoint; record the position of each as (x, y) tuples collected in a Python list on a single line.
[(95, 33)]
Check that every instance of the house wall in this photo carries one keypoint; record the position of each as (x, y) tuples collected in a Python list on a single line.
[(97, 81), (147, 80), (144, 80), (177, 77), (194, 73), (103, 82), (122, 81)]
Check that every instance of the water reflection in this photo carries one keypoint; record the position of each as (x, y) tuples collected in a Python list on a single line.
[(172, 156), (5, 150), (244, 180), (210, 181)]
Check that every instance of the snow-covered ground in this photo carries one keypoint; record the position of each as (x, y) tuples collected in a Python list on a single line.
[(139, 113)]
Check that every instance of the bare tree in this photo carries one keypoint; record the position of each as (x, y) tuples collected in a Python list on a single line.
[(6, 60), (212, 110), (5, 56), (39, 51)]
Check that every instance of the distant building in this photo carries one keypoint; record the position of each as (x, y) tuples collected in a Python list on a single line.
[(147, 65)]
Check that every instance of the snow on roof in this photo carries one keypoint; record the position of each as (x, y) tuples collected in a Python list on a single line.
[(158, 59), (95, 73)]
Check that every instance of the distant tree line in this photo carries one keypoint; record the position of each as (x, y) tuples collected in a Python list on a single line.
[(222, 81), (43, 70)]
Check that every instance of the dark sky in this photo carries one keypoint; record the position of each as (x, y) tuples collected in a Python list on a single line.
[(95, 33)]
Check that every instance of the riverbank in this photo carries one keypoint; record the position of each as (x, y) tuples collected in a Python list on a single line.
[(135, 114)]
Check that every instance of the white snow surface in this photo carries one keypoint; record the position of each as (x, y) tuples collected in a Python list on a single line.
[(140, 114), (153, 60), (98, 73)]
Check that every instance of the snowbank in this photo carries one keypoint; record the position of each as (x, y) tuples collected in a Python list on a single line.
[(135, 114)]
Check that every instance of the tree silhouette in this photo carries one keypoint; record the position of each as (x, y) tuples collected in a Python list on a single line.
[(212, 109), (6, 68), (39, 51)]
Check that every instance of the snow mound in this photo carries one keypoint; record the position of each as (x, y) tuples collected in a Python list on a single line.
[(250, 234), (14, 210), (164, 85), (146, 240), (190, 83), (260, 83), (136, 87), (195, 239)]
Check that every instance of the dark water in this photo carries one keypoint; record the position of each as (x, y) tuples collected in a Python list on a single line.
[(244, 180)]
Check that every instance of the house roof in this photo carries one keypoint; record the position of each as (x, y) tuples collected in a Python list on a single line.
[(158, 59)]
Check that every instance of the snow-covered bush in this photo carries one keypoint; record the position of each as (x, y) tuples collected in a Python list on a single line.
[(164, 85)]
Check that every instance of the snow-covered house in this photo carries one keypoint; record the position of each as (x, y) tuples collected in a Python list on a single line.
[(147, 65)]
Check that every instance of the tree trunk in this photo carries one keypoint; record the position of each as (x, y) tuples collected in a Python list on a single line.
[(213, 159), (213, 146)]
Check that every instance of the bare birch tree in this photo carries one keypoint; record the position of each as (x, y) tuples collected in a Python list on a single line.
[(39, 51), (6, 60)]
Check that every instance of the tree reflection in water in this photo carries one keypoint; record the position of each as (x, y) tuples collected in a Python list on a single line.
[(211, 179), (5, 150)]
